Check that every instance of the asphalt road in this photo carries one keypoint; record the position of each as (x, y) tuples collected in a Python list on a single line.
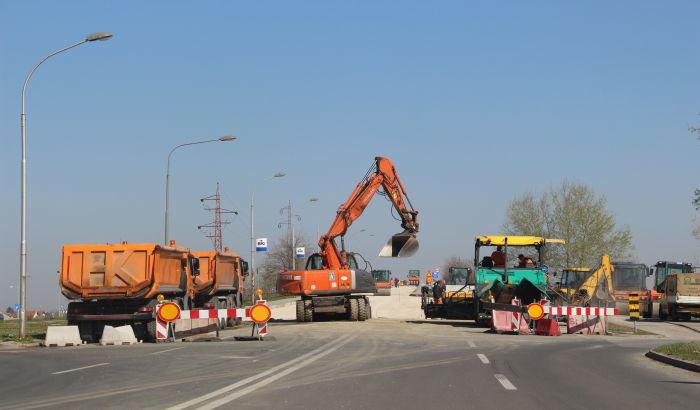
[(375, 364)]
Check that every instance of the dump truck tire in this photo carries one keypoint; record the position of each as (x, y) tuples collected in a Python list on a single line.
[(362, 309), (222, 322), (300, 311), (308, 311), (354, 310)]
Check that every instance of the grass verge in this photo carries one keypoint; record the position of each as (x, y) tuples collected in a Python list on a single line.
[(35, 329), (619, 329), (683, 351)]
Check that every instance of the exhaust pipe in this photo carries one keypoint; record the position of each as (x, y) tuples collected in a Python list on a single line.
[(401, 245)]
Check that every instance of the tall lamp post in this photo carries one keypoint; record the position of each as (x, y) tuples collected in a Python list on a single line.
[(252, 234), (167, 178), (318, 235), (101, 36)]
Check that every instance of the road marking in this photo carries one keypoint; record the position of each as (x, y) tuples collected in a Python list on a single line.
[(169, 350), (483, 358), (81, 368), (237, 357), (265, 382), (243, 382), (471, 344), (505, 382), (11, 351)]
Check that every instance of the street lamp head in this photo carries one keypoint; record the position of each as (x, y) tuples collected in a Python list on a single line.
[(99, 36), (313, 200), (279, 175), (227, 138)]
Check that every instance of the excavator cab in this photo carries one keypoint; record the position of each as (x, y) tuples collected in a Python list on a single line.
[(315, 262)]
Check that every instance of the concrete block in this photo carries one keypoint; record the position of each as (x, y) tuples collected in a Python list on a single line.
[(60, 336), (122, 335)]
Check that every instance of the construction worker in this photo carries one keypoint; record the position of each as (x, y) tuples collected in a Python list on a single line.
[(498, 257), (438, 292), (525, 262)]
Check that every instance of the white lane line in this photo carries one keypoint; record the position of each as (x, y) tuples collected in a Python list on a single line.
[(505, 382), (243, 382), (265, 382), (237, 357), (11, 351), (169, 350), (483, 358), (471, 344), (81, 368)]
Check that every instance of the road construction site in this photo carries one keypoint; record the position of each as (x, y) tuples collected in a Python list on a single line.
[(395, 360)]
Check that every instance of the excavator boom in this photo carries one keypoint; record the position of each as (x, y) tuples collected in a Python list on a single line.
[(381, 175)]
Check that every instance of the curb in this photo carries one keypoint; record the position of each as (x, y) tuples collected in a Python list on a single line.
[(673, 362)]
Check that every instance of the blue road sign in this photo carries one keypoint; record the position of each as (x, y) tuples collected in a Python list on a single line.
[(436, 275), (545, 269), (16, 306)]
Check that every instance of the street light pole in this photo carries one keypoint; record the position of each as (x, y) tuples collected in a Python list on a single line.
[(101, 36), (167, 179), (252, 234)]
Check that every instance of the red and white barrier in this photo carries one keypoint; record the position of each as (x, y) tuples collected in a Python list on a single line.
[(169, 312), (579, 311)]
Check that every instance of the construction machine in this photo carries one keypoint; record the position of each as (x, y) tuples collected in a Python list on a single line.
[(630, 278), (413, 277), (458, 299), (679, 286), (331, 281), (383, 281), (121, 284)]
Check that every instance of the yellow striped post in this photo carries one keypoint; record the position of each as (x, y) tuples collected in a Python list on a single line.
[(633, 301)]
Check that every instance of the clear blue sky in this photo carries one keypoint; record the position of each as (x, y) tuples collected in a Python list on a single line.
[(474, 102)]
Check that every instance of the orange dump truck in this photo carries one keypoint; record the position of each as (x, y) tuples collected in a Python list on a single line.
[(219, 284), (118, 284)]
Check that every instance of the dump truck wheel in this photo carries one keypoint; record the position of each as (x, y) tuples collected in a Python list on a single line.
[(354, 310), (674, 313), (300, 311), (362, 309), (308, 311), (662, 314)]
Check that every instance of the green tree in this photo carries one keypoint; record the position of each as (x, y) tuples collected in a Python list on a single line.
[(578, 215)]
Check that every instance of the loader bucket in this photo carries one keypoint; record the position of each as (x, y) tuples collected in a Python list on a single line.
[(401, 245)]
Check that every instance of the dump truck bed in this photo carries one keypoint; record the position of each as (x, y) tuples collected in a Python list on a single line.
[(112, 271), (219, 272)]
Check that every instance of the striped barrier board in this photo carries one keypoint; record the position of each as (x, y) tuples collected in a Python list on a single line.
[(259, 314), (215, 314), (579, 311)]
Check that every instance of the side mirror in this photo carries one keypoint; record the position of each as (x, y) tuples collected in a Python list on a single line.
[(244, 268), (651, 272)]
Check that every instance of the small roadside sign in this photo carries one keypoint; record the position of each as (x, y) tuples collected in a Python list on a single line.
[(300, 252), (435, 274), (261, 245), (16, 307), (545, 269), (429, 278)]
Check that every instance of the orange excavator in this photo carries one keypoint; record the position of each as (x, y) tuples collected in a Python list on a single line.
[(332, 281)]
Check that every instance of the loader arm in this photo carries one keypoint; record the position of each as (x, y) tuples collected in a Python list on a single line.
[(381, 175), (592, 284)]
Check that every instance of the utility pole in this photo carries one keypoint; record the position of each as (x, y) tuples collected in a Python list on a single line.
[(216, 225), (290, 230)]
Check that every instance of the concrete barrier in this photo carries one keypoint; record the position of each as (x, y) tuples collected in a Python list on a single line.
[(585, 325), (122, 335), (60, 336)]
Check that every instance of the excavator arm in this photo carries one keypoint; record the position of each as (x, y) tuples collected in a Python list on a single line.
[(380, 175), (598, 284)]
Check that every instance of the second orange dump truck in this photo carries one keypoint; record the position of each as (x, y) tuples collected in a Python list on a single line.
[(118, 284)]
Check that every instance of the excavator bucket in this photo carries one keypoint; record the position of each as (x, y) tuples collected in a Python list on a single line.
[(401, 245)]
